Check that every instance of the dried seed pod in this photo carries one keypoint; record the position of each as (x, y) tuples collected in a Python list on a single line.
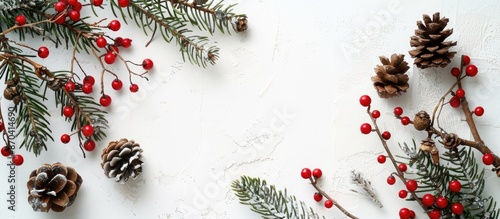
[(421, 121)]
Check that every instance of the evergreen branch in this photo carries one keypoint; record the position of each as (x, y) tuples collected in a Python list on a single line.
[(268, 202), (359, 180)]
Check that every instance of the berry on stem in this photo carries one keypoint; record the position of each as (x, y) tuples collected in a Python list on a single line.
[(460, 93), (87, 130), (317, 173), (134, 88), (365, 100), (147, 64), (89, 145), (43, 52), (123, 3), (434, 214), (17, 160), (89, 80), (455, 102), (441, 202), (398, 111), (101, 42), (117, 84), (59, 6), (411, 185), (402, 167), (428, 200), (318, 197), (404, 213), (5, 151), (87, 88), (96, 2), (109, 58), (74, 15), (366, 128), (114, 25), (457, 208), (455, 186), (328, 203), (105, 100), (488, 159), (466, 59), (305, 173), (405, 120), (21, 20), (381, 159), (126, 42), (69, 86), (455, 72), (402, 193), (471, 70), (479, 111), (65, 138), (386, 135), (375, 114), (68, 111), (391, 180)]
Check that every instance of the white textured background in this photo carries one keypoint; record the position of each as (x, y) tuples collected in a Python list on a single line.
[(283, 96)]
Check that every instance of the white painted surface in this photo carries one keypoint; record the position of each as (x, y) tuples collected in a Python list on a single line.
[(283, 96)]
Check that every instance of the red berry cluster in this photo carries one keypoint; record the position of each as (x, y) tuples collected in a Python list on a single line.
[(6, 151), (458, 95), (314, 175)]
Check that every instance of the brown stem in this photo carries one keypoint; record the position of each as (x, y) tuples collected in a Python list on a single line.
[(314, 182)]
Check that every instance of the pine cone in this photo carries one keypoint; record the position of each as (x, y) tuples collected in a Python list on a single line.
[(421, 121), (122, 160), (241, 24), (430, 48), (391, 79), (53, 187)]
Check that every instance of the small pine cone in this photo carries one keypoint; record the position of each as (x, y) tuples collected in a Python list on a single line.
[(428, 146), (121, 160), (53, 187), (451, 140), (422, 120), (241, 24), (430, 48), (391, 79)]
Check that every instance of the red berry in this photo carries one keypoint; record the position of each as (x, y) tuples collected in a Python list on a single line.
[(479, 111), (455, 72), (402, 167), (101, 42), (77, 7), (455, 102), (488, 158), (118, 41), (87, 88), (412, 214), (69, 86), (428, 200), (21, 20), (466, 59), (114, 25), (43, 52), (105, 100), (72, 2), (134, 88), (74, 15), (386, 135), (117, 84), (89, 80), (391, 180), (65, 138), (87, 130), (457, 208), (97, 2), (123, 3), (442, 202), (317, 173), (147, 64), (471, 70), (114, 50), (109, 58), (398, 111), (375, 114), (318, 196), (5, 151), (455, 186), (411, 185), (17, 160), (403, 193), (460, 93), (381, 158), (126, 43), (366, 128), (60, 18), (365, 100), (89, 145), (434, 214), (328, 203), (59, 6), (405, 120), (306, 173), (404, 213), (68, 111)]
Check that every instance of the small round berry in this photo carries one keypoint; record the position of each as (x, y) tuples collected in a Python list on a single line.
[(328, 203), (479, 111), (405, 120), (488, 158), (455, 185), (441, 202), (412, 214), (96, 2), (391, 180), (402, 167), (60, 18), (68, 111), (318, 197), (59, 6), (365, 100), (114, 25), (386, 135), (455, 102), (398, 111), (117, 84), (109, 58), (365, 128), (70, 86), (89, 80), (17, 160), (306, 173), (74, 15), (77, 6), (466, 59), (118, 41), (457, 208), (72, 2), (381, 159), (87, 130), (455, 72), (411, 185), (105, 100), (89, 145), (434, 214), (101, 42), (471, 70), (317, 173), (123, 3), (87, 88), (5, 151), (65, 138), (428, 200), (43, 52), (147, 64), (126, 42), (402, 193), (113, 50), (134, 88), (460, 93), (375, 114), (21, 20), (404, 213)]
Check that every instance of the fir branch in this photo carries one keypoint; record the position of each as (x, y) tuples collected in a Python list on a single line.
[(265, 200), (359, 180)]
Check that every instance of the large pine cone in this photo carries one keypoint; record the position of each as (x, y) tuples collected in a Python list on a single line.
[(53, 187), (122, 160), (391, 79), (430, 48)]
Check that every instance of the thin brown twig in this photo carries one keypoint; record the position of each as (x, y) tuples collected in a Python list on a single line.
[(314, 183)]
